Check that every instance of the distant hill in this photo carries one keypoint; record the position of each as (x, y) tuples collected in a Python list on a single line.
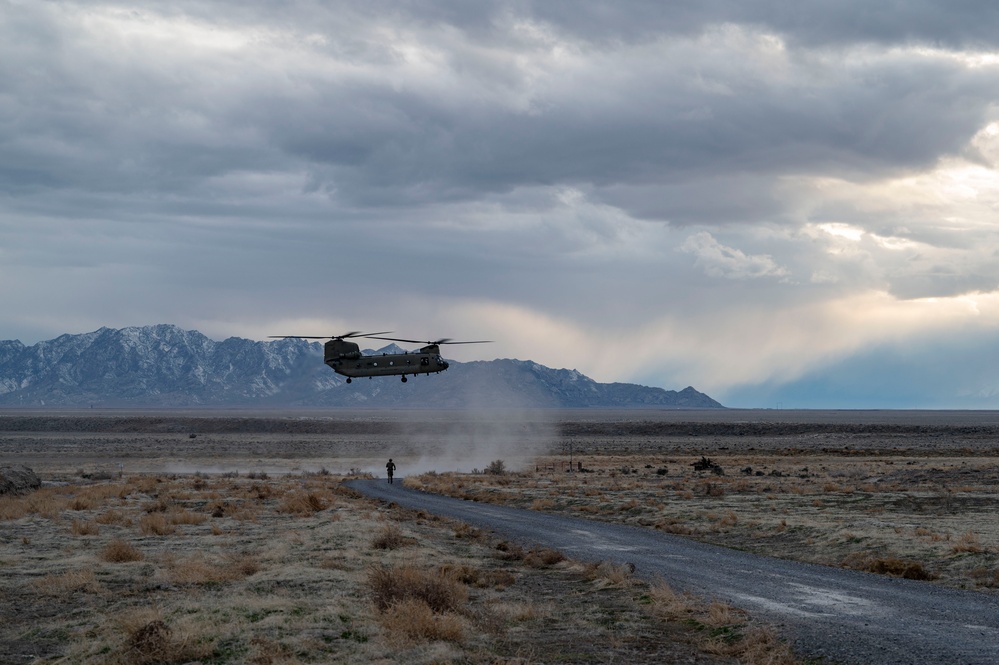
[(165, 366)]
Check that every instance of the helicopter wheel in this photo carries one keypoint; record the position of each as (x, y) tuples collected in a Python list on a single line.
[(348, 379), (404, 379)]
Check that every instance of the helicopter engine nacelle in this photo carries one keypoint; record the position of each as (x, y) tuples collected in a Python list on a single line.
[(337, 349)]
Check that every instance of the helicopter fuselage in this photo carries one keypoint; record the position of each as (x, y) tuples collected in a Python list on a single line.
[(345, 358)]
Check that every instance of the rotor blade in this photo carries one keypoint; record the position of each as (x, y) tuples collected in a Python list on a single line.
[(446, 340), (396, 339), (297, 337), (352, 333), (359, 334)]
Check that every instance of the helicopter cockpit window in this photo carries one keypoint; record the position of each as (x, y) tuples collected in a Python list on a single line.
[(424, 361)]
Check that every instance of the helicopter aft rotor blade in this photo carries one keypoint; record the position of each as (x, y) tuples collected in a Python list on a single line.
[(446, 340)]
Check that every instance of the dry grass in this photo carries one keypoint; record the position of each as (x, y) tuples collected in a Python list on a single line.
[(275, 568), (214, 603), (721, 628), (832, 506), (61, 584), (197, 569)]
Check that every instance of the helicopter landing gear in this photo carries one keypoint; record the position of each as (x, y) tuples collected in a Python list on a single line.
[(348, 379), (404, 379)]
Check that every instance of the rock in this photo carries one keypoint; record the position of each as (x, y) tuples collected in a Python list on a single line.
[(18, 480)]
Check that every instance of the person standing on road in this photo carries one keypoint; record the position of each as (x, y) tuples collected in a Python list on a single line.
[(390, 469)]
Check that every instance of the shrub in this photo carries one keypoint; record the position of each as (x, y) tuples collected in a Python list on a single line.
[(118, 551), (482, 579), (496, 467), (894, 566), (968, 544), (112, 517), (80, 503), (612, 572), (302, 503), (413, 619), (84, 528), (156, 524), (510, 551), (244, 566), (543, 557), (391, 538), (155, 642), (182, 516), (440, 589), (150, 643)]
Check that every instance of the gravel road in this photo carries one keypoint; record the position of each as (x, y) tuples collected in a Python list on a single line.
[(845, 616)]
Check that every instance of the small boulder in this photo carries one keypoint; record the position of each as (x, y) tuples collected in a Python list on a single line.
[(18, 479)]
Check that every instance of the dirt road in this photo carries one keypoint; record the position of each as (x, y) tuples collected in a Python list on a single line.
[(842, 615)]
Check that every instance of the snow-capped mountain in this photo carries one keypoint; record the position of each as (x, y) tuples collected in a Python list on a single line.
[(166, 366)]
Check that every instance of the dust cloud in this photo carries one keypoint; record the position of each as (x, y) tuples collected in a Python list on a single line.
[(470, 440)]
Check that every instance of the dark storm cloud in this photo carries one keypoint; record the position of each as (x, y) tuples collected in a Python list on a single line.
[(964, 23), (656, 128), (103, 117)]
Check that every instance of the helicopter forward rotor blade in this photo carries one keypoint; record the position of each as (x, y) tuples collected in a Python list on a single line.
[(359, 334), (297, 337), (353, 333)]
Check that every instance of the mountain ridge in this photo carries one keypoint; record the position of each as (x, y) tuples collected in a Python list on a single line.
[(165, 366)]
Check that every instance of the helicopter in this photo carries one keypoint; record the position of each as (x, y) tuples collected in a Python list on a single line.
[(345, 357)]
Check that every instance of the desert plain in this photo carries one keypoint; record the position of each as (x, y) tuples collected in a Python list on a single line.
[(228, 537)]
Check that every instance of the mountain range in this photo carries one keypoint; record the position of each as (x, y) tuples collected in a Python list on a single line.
[(165, 366)]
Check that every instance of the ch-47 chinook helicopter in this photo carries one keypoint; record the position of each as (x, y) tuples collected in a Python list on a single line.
[(345, 357)]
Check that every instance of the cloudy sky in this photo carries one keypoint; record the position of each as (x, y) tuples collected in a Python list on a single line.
[(781, 204)]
